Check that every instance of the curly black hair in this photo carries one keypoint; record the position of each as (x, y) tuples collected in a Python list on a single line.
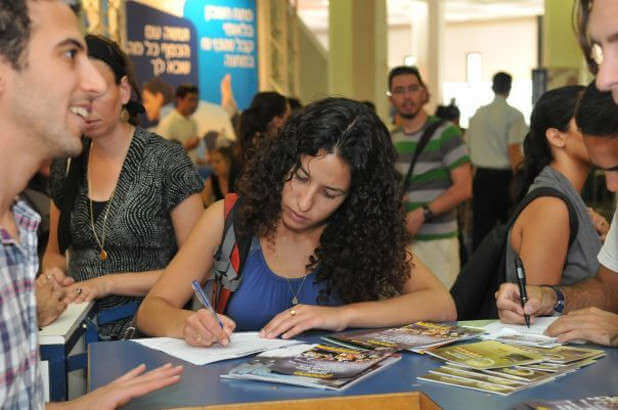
[(361, 255)]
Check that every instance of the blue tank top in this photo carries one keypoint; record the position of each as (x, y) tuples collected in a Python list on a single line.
[(262, 294)]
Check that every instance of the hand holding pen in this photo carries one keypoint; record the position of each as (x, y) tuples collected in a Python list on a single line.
[(205, 327), (521, 281)]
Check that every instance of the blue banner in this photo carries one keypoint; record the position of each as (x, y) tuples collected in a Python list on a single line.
[(214, 39)]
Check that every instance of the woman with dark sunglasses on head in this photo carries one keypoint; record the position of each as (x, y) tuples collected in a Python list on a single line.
[(123, 207)]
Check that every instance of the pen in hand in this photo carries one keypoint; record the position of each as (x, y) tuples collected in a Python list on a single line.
[(521, 281), (201, 296)]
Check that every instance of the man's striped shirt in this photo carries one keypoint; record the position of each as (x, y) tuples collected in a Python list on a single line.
[(444, 152)]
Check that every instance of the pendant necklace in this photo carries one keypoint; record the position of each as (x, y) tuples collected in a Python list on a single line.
[(295, 295), (101, 242)]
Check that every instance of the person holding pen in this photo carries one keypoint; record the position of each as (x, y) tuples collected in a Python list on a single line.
[(322, 203), (590, 306)]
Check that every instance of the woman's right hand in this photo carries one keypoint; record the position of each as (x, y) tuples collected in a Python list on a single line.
[(202, 329)]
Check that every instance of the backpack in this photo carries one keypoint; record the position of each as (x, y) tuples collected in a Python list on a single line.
[(228, 260), (475, 287)]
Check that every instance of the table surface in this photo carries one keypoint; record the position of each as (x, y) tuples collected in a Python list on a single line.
[(59, 331), (201, 385)]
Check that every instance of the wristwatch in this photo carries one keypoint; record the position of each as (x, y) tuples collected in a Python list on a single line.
[(427, 214), (559, 306)]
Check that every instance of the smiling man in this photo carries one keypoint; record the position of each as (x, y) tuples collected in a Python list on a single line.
[(46, 87), (591, 305)]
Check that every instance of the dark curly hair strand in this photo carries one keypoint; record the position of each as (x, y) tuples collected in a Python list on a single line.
[(361, 255)]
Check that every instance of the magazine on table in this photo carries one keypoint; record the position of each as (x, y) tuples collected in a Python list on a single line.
[(488, 354), (313, 365), (468, 383), (416, 337), (588, 403), (517, 373), (565, 354)]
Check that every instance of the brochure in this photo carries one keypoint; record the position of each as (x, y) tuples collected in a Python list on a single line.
[(311, 365), (416, 337), (468, 383), (589, 403), (488, 354), (565, 354)]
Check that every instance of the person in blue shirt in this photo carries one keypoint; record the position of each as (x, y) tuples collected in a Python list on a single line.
[(322, 200)]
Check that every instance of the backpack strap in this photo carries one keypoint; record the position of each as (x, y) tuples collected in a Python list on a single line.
[(548, 191), (229, 259), (422, 142)]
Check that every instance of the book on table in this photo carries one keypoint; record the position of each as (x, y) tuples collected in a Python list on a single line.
[(314, 365)]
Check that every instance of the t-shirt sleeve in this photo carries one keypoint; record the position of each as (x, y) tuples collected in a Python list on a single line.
[(608, 256), (454, 151), (181, 178), (518, 129), (57, 177)]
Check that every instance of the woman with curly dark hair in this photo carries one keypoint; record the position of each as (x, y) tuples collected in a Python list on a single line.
[(322, 202)]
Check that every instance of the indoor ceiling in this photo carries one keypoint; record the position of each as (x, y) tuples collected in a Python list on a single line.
[(315, 12)]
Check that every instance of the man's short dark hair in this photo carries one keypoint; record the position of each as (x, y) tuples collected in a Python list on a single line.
[(597, 113), (401, 70), (156, 85), (501, 83), (184, 89), (15, 30)]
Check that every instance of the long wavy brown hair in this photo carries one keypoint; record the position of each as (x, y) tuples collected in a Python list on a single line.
[(361, 255)]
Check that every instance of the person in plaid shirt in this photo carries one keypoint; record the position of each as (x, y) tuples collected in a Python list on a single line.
[(47, 85)]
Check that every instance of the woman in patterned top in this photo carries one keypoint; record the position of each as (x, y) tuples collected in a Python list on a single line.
[(126, 204), (321, 201)]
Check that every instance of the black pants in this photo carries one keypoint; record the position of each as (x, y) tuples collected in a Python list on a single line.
[(490, 201)]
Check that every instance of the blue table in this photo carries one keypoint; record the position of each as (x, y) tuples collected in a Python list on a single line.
[(201, 385)]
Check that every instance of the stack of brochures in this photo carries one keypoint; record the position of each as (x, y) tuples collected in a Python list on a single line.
[(416, 337), (355, 356), (588, 403), (500, 368), (313, 365)]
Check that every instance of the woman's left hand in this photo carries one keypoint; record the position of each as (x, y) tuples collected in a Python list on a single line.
[(299, 318), (87, 290)]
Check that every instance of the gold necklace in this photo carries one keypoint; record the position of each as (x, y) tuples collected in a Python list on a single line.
[(100, 242), (295, 295)]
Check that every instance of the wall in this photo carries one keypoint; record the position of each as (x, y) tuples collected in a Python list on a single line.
[(313, 66), (505, 45)]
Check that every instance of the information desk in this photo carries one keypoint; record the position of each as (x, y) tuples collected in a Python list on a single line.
[(201, 385)]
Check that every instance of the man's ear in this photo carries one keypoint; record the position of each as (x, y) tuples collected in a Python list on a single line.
[(426, 95), (555, 137)]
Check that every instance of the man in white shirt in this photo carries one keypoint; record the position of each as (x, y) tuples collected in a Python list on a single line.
[(591, 305), (179, 125), (495, 134)]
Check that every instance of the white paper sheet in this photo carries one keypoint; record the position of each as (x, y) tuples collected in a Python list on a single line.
[(241, 344), (521, 334)]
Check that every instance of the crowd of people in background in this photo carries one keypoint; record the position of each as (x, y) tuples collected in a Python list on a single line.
[(339, 221)]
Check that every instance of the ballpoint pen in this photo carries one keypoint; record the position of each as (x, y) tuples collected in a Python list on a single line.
[(201, 296), (521, 281)]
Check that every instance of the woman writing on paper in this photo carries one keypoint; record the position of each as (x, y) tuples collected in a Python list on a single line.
[(322, 203)]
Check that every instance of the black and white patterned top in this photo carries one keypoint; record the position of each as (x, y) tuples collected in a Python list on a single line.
[(156, 176)]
